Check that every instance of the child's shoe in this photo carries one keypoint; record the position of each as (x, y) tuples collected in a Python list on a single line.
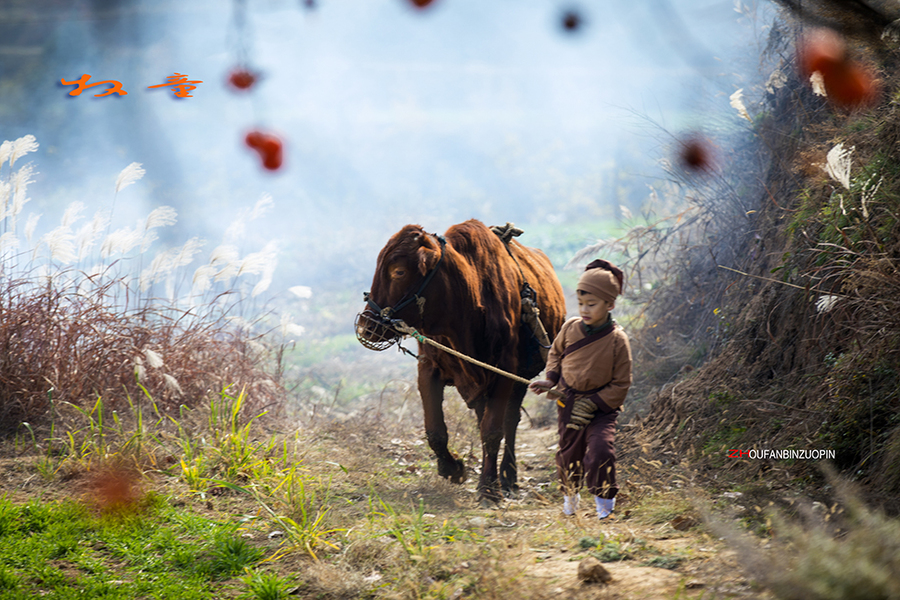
[(605, 506), (570, 505)]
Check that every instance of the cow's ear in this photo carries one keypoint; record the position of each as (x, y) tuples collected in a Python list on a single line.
[(428, 258)]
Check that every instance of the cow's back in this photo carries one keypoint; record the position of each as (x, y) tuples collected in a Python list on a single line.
[(500, 296)]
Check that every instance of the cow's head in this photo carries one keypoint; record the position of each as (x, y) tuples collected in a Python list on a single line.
[(405, 267)]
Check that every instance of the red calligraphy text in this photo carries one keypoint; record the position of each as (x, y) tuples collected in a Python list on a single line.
[(180, 84), (83, 84)]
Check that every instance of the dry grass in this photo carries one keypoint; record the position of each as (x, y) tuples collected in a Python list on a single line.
[(840, 550), (800, 340), (61, 344), (87, 313)]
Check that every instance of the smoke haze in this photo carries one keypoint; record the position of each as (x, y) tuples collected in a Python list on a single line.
[(389, 114)]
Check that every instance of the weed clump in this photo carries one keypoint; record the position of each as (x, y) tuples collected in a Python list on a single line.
[(842, 552), (91, 313), (794, 300)]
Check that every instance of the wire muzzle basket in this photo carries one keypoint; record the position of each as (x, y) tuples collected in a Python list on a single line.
[(375, 333)]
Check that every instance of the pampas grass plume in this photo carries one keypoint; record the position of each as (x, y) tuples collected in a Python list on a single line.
[(838, 164), (121, 241), (5, 151), (259, 262), (72, 214), (826, 302), (185, 255), (159, 217), (20, 182), (237, 228), (8, 241), (89, 232), (818, 84), (4, 198), (21, 147), (202, 280), (129, 175), (165, 263), (172, 384), (261, 286), (227, 256), (31, 225), (737, 103), (153, 359), (61, 244), (162, 216), (262, 206), (301, 291), (139, 371), (288, 327)]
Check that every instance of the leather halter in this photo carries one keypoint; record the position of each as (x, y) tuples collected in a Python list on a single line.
[(387, 313)]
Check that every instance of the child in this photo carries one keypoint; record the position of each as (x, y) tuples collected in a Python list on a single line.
[(590, 361)]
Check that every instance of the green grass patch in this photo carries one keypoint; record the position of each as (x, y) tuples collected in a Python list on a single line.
[(61, 549)]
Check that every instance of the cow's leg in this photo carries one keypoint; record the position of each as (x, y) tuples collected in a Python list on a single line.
[(491, 435), (508, 471), (431, 388)]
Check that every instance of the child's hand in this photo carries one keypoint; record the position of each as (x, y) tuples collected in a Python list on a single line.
[(540, 386)]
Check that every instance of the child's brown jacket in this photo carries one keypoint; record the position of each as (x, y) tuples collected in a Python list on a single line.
[(601, 362)]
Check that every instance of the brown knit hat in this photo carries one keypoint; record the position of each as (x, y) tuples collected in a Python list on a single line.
[(601, 279)]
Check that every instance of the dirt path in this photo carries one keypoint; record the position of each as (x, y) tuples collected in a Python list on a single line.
[(653, 546), (638, 532)]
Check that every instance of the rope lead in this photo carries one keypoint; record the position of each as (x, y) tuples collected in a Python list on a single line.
[(402, 327)]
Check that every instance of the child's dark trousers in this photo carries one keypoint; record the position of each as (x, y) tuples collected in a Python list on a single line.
[(588, 455)]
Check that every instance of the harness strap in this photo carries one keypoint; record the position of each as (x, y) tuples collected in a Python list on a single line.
[(387, 313), (530, 310), (507, 233)]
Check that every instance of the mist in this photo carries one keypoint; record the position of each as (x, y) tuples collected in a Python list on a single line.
[(389, 114)]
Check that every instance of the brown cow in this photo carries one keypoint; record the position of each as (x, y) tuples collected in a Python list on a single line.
[(463, 291)]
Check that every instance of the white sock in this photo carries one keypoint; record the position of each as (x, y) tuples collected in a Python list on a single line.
[(570, 504), (605, 506)]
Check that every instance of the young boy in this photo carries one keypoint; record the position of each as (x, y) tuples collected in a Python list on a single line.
[(590, 361)]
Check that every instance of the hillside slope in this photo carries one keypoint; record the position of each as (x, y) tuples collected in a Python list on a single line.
[(803, 310)]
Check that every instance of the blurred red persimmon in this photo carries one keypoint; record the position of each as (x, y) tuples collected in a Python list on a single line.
[(421, 3), (242, 79), (822, 50), (114, 489), (850, 85), (254, 139), (572, 20), (269, 147), (847, 83), (695, 154)]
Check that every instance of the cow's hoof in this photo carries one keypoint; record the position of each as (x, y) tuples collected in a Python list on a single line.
[(511, 493), (460, 476), (454, 470), (489, 497)]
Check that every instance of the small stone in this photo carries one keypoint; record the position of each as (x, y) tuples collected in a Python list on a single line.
[(375, 576), (694, 584), (590, 570), (276, 534)]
